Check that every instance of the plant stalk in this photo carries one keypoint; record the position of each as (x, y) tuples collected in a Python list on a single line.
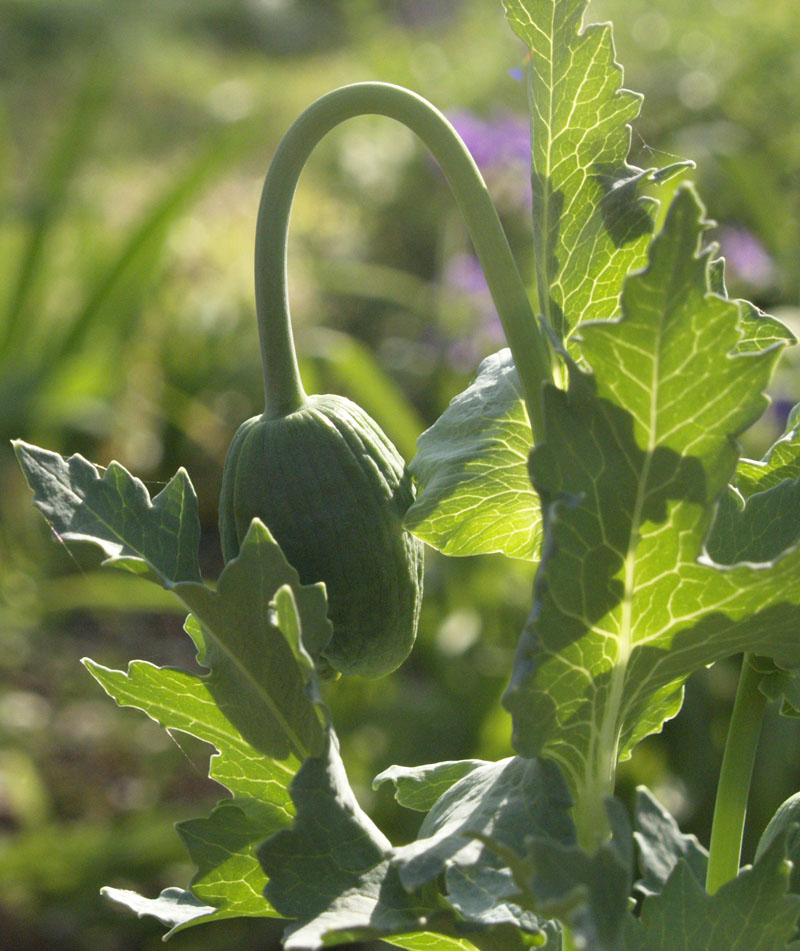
[(734, 780), (283, 387)]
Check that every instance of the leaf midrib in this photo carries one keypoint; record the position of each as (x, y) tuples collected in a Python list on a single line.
[(299, 748), (610, 730), (545, 300)]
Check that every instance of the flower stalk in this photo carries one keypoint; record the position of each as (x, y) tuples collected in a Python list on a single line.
[(283, 386)]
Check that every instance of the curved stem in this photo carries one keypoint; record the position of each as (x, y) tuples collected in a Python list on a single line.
[(734, 779), (284, 390)]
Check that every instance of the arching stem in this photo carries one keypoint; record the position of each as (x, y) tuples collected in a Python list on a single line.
[(284, 389)]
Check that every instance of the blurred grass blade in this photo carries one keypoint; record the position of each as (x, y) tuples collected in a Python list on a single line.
[(146, 239), (49, 193)]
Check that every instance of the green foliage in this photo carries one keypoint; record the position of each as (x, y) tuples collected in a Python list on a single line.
[(659, 552), (591, 223), (471, 465), (333, 490), (753, 911), (637, 454), (661, 845)]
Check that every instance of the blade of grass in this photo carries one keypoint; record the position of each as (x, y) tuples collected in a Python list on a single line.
[(49, 194), (146, 238)]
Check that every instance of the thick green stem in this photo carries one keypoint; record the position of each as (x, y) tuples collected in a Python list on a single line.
[(284, 390), (734, 779)]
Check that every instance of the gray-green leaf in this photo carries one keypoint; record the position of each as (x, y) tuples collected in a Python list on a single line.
[(474, 495), (627, 605), (418, 787), (589, 893), (504, 801), (784, 826), (591, 224), (114, 511), (175, 907), (332, 869), (753, 912), (661, 845)]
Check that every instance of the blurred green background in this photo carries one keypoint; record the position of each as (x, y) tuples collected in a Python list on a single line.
[(134, 139)]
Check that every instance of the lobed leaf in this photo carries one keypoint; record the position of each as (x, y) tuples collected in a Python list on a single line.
[(178, 700), (503, 801), (661, 845), (223, 846), (229, 879), (337, 874), (261, 677), (754, 912), (588, 892), (418, 787), (257, 633), (332, 869), (591, 224), (474, 495), (473, 489), (159, 538), (626, 603)]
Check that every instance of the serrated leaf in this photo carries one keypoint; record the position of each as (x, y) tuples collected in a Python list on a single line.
[(229, 878), (160, 539), (178, 700), (114, 511), (782, 461), (473, 490), (175, 907), (262, 677), (784, 827), (589, 893), (222, 846), (474, 495), (503, 801), (626, 607), (760, 330), (255, 677), (418, 787), (661, 845), (332, 869), (753, 912), (591, 223), (259, 706)]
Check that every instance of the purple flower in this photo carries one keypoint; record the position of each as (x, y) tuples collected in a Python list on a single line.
[(781, 407), (464, 275), (501, 147), (495, 142), (746, 257)]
